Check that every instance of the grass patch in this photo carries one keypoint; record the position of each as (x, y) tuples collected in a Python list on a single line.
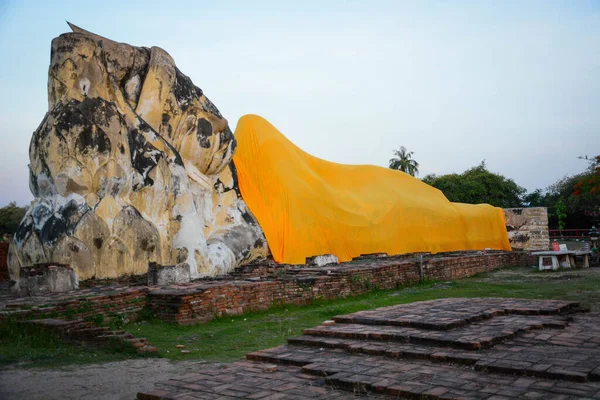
[(230, 338), (29, 345)]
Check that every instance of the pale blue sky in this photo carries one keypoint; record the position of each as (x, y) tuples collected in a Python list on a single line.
[(515, 83)]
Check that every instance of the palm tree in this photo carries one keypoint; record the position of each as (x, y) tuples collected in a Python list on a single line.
[(404, 162)]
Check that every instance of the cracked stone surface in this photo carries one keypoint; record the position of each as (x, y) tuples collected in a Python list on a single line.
[(131, 164)]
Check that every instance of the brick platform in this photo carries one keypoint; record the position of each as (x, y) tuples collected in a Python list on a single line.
[(90, 335), (78, 315), (105, 302), (440, 349), (244, 291)]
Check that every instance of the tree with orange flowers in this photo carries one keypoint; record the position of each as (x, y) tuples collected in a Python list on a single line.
[(590, 183), (572, 201)]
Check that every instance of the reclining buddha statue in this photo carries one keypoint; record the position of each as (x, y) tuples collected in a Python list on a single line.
[(134, 164)]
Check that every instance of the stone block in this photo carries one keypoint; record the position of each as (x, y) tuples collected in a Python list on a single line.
[(527, 228), (168, 274), (270, 368), (41, 279), (323, 259), (373, 255)]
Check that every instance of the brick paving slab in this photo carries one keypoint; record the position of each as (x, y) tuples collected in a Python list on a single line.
[(474, 336), (248, 380), (584, 333), (451, 313), (418, 377), (441, 349), (539, 361)]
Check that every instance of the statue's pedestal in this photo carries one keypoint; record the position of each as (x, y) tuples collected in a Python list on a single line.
[(168, 274), (42, 279), (323, 259)]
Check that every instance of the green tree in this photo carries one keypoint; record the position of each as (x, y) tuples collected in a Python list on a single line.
[(572, 201), (561, 214), (534, 199), (589, 184), (10, 217), (478, 185), (403, 161)]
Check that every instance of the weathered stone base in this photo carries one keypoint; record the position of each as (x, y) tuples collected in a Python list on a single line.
[(484, 348), (168, 274), (43, 279), (324, 259), (528, 228)]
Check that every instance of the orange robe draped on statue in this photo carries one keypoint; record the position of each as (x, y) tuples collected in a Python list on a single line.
[(307, 206)]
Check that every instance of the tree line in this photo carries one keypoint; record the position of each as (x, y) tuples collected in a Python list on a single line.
[(572, 201), (10, 217)]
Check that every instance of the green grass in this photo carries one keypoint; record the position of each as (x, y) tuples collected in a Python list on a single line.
[(230, 338), (30, 346)]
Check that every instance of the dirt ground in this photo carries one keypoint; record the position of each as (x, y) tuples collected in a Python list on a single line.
[(110, 381), (569, 278), (533, 275)]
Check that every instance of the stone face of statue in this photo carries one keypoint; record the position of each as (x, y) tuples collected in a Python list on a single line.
[(131, 164)]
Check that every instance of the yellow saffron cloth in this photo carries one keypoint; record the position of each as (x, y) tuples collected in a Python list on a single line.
[(307, 206)]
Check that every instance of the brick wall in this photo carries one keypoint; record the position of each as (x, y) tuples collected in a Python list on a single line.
[(528, 228), (206, 301), (125, 304), (465, 266), (4, 277)]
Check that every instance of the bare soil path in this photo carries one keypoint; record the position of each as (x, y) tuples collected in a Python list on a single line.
[(110, 381)]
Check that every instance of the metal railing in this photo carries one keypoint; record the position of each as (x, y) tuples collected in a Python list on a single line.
[(569, 233)]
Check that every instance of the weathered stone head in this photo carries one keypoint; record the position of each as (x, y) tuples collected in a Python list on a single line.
[(131, 164)]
